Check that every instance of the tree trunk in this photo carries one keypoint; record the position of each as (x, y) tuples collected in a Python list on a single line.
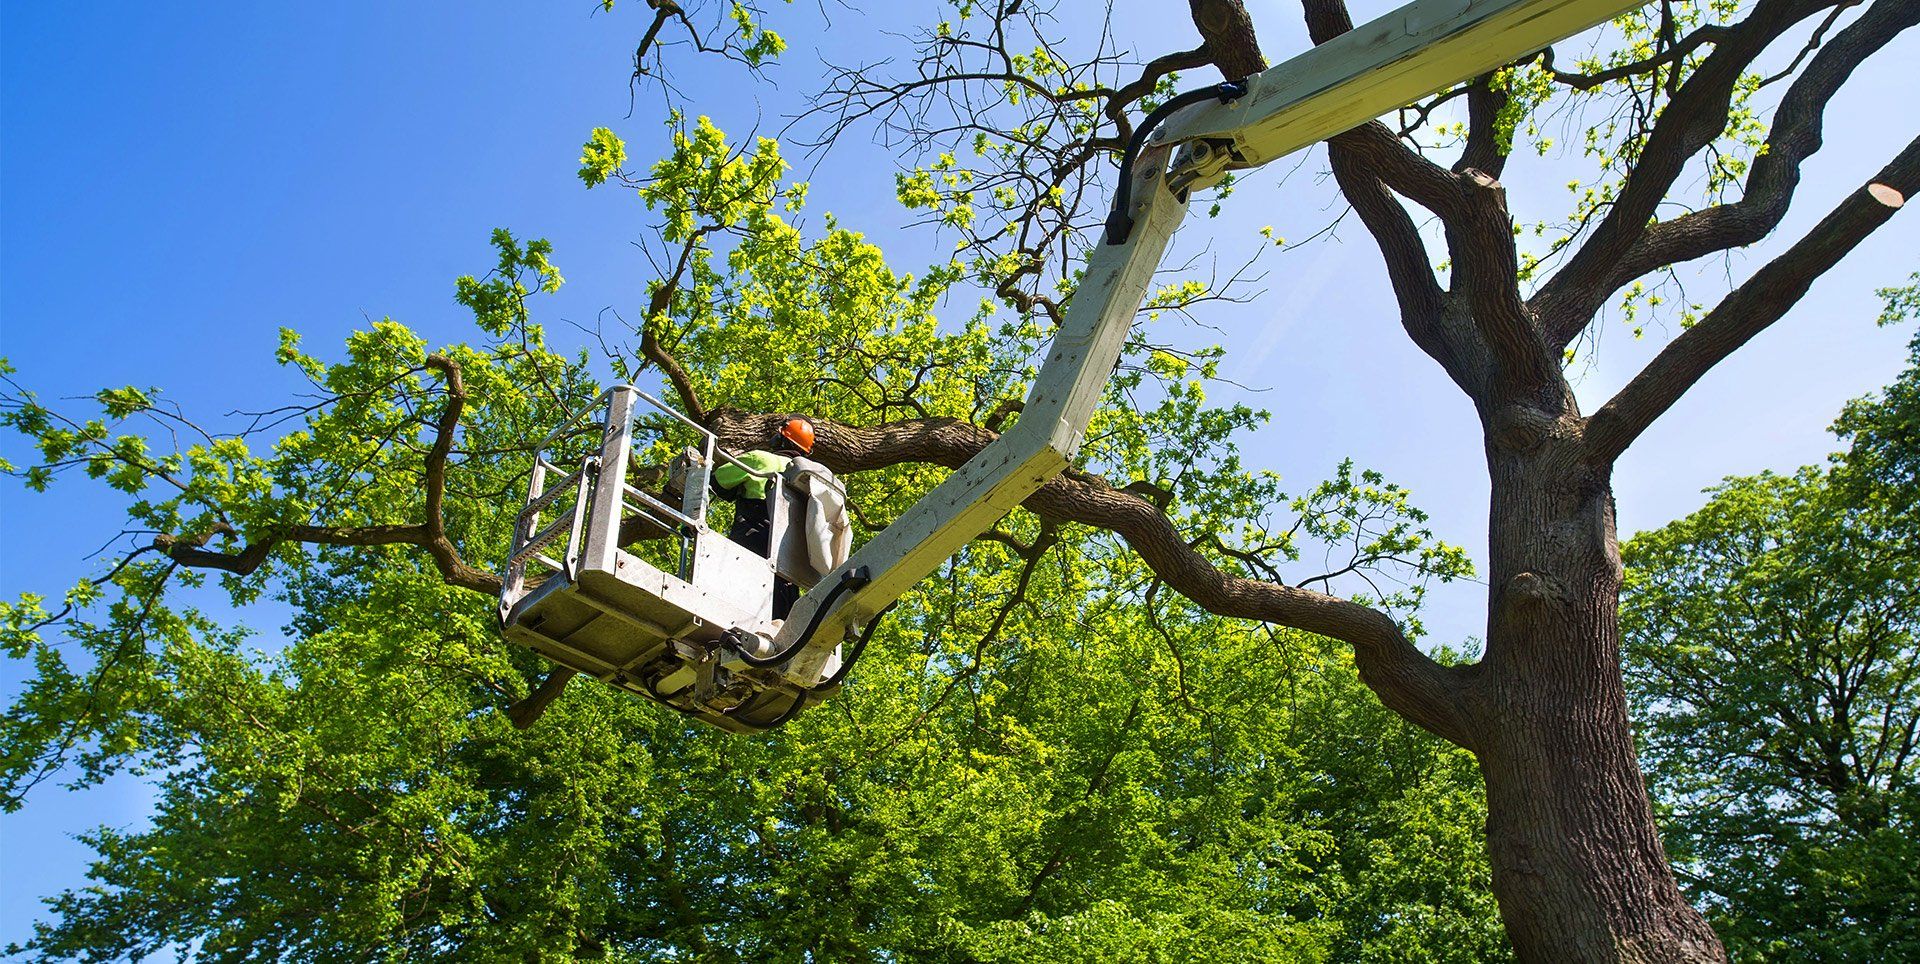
[(1578, 868)]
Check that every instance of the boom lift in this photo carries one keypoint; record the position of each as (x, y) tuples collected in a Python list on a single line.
[(700, 638)]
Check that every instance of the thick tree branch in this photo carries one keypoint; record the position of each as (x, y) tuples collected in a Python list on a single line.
[(1384, 156), (676, 374), (525, 712), (1691, 119), (445, 555), (192, 552), (1794, 136), (1750, 308), (1369, 159), (443, 432), (1486, 275), (1483, 151), (1423, 307), (1406, 679), (430, 535), (1227, 29), (1389, 159)]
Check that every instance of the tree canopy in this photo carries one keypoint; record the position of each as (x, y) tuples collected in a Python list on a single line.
[(1046, 755), (1128, 720), (1772, 655)]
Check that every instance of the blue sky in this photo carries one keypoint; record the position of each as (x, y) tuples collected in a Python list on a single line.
[(179, 181)]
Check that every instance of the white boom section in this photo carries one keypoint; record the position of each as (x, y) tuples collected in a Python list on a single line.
[(1379, 66), (1058, 407), (1416, 50)]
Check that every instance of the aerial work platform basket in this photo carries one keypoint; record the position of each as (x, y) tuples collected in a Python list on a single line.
[(618, 582)]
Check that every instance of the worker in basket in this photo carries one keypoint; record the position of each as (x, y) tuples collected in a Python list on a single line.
[(786, 454)]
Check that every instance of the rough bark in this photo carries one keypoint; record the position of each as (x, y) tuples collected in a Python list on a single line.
[(1227, 29), (1578, 867)]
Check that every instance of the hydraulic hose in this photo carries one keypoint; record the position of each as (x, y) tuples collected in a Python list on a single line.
[(852, 579), (846, 666), (1120, 222), (799, 703), (847, 661)]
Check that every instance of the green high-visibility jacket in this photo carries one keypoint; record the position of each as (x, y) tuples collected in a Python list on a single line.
[(739, 483)]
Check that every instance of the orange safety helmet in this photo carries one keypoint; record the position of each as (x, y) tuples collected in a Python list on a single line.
[(798, 431)]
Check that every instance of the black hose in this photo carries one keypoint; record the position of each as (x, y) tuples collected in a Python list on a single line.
[(852, 656), (799, 703), (1119, 222), (852, 579), (846, 664)]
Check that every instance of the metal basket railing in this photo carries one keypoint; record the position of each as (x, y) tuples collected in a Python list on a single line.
[(624, 439)]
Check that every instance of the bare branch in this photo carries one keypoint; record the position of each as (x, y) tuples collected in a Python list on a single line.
[(1795, 135), (1813, 44), (1691, 119), (1374, 145), (1750, 308), (1151, 74), (1711, 33), (662, 11)]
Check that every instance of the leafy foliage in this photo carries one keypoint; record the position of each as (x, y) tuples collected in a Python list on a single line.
[(1772, 652), (1044, 755)]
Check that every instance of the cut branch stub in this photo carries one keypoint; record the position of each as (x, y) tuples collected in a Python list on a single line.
[(1750, 308)]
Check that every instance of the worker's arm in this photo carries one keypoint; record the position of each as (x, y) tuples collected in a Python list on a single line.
[(736, 481)]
